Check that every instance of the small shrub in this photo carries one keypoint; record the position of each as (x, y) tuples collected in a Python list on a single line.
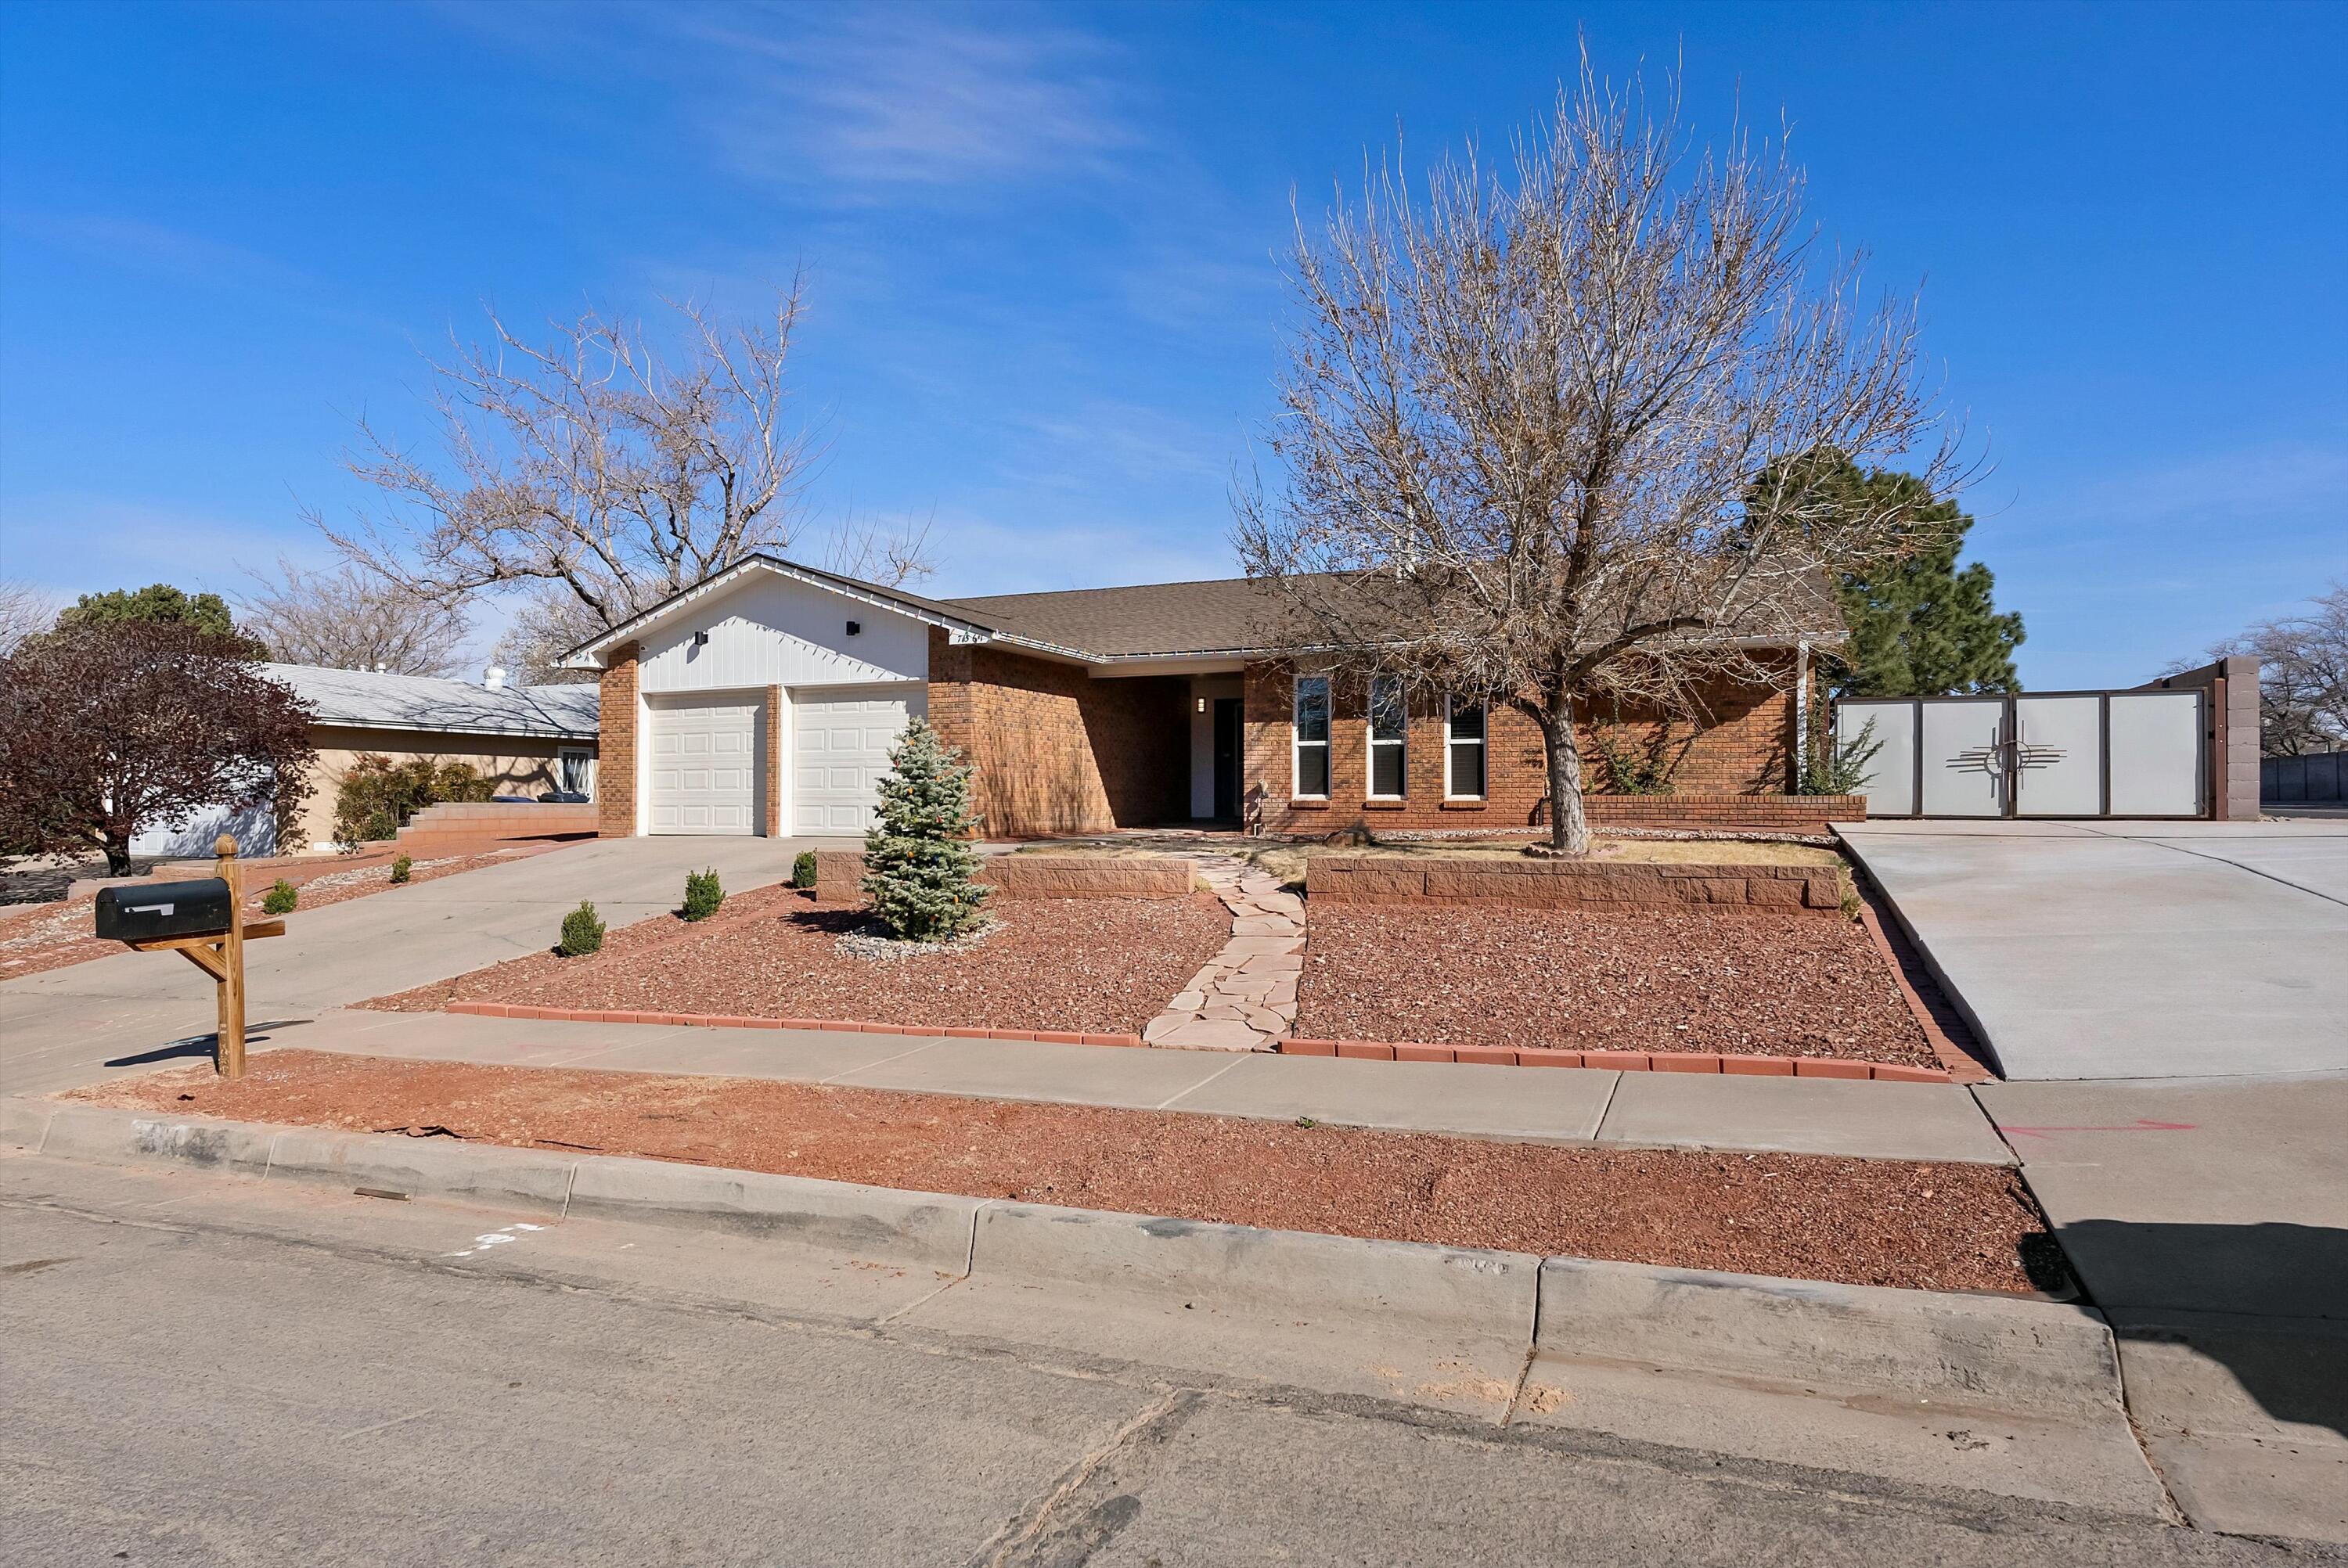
[(281, 898), (1637, 770), (920, 866), (702, 895), (378, 796), (402, 868), (582, 932), (1841, 767), (803, 869)]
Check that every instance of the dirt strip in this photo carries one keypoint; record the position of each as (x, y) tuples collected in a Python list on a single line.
[(1862, 1222)]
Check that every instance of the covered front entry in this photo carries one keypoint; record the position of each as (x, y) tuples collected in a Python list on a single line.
[(840, 740), (704, 763)]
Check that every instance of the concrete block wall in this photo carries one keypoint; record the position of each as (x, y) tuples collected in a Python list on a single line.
[(838, 873)]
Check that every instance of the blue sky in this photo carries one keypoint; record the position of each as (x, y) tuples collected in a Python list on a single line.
[(1042, 247)]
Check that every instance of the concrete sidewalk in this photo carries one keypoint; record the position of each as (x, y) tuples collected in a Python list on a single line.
[(1531, 1104)]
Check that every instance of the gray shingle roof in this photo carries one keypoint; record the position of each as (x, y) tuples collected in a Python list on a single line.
[(367, 699), (1228, 615)]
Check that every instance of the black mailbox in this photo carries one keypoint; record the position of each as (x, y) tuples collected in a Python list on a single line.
[(163, 909)]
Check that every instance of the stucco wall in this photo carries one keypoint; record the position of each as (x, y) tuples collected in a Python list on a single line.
[(513, 765)]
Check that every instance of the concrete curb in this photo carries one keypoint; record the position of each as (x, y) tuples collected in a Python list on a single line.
[(2042, 1358), (928, 1230), (1489, 1294), (732, 1020), (1699, 1062)]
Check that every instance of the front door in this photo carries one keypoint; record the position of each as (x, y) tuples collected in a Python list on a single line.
[(1227, 757)]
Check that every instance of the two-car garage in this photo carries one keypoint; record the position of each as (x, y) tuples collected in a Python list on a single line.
[(706, 767)]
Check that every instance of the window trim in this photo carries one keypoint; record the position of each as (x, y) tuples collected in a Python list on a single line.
[(1370, 741), (1481, 742), (1297, 743)]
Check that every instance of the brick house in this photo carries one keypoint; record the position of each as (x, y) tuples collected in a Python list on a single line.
[(765, 699)]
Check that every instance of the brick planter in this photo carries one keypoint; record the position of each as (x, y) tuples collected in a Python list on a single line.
[(1569, 885), (838, 872), (1725, 812)]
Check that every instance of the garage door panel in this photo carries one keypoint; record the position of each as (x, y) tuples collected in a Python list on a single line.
[(704, 777), (841, 739)]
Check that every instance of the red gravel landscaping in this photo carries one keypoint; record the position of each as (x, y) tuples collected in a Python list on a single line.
[(1861, 1222), (1103, 965), (1660, 980)]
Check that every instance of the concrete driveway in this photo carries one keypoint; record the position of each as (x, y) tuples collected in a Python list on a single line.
[(55, 1028), (2131, 950)]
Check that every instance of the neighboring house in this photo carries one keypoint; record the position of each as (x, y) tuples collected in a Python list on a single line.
[(765, 700), (525, 740)]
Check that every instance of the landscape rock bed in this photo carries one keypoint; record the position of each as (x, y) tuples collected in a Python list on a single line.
[(1632, 980), (1091, 965), (1860, 1222)]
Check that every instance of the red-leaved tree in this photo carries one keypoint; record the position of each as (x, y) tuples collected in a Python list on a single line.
[(106, 731)]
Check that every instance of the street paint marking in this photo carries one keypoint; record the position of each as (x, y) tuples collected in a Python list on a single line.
[(2141, 1125), (498, 1237)]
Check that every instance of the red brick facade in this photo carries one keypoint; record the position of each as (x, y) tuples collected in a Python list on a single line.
[(616, 766), (1056, 750), (1741, 751)]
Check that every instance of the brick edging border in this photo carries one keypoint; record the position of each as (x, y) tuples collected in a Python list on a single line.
[(1360, 1049), (734, 1020), (1706, 1062)]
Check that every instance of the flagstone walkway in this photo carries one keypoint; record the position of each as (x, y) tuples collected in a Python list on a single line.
[(1245, 998)]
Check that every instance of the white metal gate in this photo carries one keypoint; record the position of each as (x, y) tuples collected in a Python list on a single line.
[(2139, 753)]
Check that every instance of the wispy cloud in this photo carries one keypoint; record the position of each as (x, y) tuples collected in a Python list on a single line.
[(866, 100), (155, 248)]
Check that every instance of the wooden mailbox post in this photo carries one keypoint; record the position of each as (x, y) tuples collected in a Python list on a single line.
[(221, 954)]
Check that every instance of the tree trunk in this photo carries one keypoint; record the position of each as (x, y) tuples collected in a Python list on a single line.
[(1569, 827), (118, 853)]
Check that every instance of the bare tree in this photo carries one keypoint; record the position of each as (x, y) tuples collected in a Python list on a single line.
[(24, 611), (549, 623), (596, 467), (355, 619), (2302, 676), (1546, 431)]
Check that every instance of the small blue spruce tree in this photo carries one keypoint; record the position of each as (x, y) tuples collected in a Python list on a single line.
[(920, 863)]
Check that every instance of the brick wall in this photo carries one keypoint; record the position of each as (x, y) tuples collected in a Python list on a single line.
[(1560, 885), (615, 765), (772, 807), (1057, 750), (1741, 751)]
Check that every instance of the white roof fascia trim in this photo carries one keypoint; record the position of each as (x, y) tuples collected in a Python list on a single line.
[(583, 658)]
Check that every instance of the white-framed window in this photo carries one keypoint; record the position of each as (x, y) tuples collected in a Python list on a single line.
[(1463, 749), (1310, 747), (574, 769), (1388, 726)]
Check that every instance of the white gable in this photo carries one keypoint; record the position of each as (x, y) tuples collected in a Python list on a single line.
[(768, 629)]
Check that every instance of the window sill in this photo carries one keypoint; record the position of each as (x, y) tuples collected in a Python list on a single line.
[(1473, 803), (1308, 803), (1384, 802)]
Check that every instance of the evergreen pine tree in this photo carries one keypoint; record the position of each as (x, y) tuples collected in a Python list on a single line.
[(1918, 626), (919, 861)]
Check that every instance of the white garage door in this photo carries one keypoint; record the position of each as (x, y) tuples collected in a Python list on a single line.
[(705, 766), (840, 737)]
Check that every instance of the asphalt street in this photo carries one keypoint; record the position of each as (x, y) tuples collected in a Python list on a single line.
[(208, 1372)]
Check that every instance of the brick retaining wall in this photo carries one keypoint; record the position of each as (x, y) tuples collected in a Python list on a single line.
[(838, 871), (1556, 884)]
